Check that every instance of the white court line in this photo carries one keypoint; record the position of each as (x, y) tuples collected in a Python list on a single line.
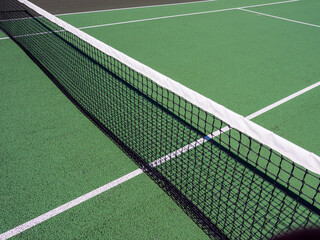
[(286, 99), (18, 19), (37, 34), (25, 226), (68, 205), (117, 9), (187, 14), (174, 16), (129, 8), (286, 19)]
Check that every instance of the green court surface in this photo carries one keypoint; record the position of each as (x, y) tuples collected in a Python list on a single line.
[(306, 107), (122, 213), (246, 63), (51, 153), (306, 11)]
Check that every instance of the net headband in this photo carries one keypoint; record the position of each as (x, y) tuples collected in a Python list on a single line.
[(286, 148)]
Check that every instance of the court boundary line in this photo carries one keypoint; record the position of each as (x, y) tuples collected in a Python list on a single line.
[(281, 18), (129, 8), (178, 15), (46, 216), (187, 14)]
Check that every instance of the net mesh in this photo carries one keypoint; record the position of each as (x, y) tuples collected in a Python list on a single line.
[(233, 186)]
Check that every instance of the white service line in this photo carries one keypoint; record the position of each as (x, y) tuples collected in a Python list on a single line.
[(272, 16), (25, 226), (286, 99), (38, 34), (171, 16), (129, 8), (187, 14)]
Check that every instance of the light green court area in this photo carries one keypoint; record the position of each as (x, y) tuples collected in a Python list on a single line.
[(50, 153), (238, 59), (232, 60), (296, 120)]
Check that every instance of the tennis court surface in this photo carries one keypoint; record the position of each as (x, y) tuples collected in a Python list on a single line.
[(159, 119)]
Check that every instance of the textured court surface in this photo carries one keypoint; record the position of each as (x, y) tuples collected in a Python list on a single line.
[(51, 154)]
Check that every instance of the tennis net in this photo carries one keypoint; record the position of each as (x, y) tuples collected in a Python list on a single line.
[(236, 179)]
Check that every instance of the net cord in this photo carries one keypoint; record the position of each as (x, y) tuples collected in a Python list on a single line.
[(288, 149)]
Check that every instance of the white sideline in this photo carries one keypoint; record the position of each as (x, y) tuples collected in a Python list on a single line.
[(129, 8), (166, 17), (33, 222), (285, 19)]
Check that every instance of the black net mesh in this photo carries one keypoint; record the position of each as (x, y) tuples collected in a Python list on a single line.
[(232, 186)]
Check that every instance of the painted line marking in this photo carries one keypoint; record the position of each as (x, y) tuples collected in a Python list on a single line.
[(18, 19), (171, 16), (286, 99), (38, 34), (129, 8), (68, 205), (186, 14), (25, 226), (281, 18), (117, 9)]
